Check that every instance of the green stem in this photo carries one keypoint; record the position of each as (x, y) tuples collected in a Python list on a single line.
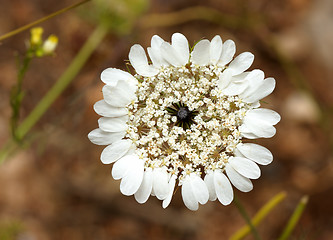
[(16, 96), (91, 44), (244, 214), (260, 216), (25, 27), (67, 77), (294, 218)]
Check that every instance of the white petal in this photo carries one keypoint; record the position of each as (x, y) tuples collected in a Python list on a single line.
[(160, 183), (245, 167), (224, 79), (188, 195), (259, 122), (111, 76), (248, 134), (99, 137), (120, 168), (106, 110), (116, 124), (255, 152), (170, 54), (209, 180), (241, 63), (199, 188), (255, 77), (156, 41), (266, 115), (255, 104), (256, 128), (261, 91), (119, 95), (215, 49), (155, 51), (139, 61), (234, 88), (172, 183), (223, 188), (132, 180), (240, 182), (143, 193), (180, 44), (115, 151), (155, 57), (228, 52), (200, 55)]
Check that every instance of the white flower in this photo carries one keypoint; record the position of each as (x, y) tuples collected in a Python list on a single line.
[(180, 120)]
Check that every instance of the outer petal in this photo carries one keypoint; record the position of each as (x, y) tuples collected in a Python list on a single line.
[(120, 168), (199, 189), (263, 90), (155, 51), (172, 183), (194, 191), (209, 180), (139, 61), (267, 115), (201, 53), (259, 123), (255, 78), (234, 88), (180, 44), (119, 95), (215, 50), (240, 182), (256, 153), (245, 167), (106, 110), (160, 183), (156, 42), (111, 76), (115, 151), (228, 52), (241, 63), (117, 124), (177, 53), (143, 193), (225, 79), (188, 195), (256, 127), (223, 188), (248, 134), (99, 137), (131, 182)]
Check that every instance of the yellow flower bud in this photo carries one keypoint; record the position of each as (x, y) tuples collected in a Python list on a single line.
[(36, 36)]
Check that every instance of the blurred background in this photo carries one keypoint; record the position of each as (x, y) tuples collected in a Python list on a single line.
[(55, 186)]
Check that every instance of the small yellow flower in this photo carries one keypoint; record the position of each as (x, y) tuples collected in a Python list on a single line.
[(36, 36)]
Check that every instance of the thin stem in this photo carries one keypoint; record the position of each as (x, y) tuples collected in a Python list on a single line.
[(294, 218), (193, 13), (67, 77), (260, 216), (244, 214), (25, 27), (91, 44), (16, 96)]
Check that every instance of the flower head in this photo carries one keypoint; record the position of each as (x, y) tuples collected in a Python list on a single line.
[(50, 44), (181, 120)]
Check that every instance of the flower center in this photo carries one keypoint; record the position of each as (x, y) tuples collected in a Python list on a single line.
[(183, 114)]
